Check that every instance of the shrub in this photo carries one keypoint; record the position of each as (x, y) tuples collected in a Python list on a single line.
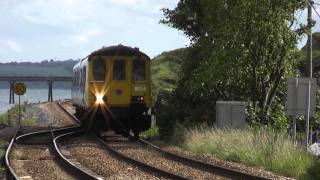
[(152, 132), (3, 144)]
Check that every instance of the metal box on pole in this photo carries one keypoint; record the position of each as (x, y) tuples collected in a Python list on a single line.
[(301, 100), (297, 96), (230, 114)]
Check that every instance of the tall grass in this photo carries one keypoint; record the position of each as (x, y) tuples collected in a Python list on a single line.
[(257, 147)]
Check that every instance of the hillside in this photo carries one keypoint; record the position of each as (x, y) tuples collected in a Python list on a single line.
[(44, 68), (315, 52), (165, 70)]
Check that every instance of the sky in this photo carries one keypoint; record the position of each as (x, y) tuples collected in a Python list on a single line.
[(35, 30)]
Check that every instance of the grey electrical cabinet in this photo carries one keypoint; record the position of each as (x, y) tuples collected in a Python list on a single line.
[(230, 114)]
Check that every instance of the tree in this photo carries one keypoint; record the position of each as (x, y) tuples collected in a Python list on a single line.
[(242, 50)]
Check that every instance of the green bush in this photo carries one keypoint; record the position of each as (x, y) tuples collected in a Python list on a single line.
[(4, 119), (150, 133), (3, 144), (166, 120), (256, 147), (28, 115)]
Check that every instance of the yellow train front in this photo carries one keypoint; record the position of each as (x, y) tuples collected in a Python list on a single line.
[(112, 89)]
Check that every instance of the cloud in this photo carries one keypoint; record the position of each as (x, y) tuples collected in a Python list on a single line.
[(86, 34), (13, 46), (125, 2), (67, 28), (52, 12), (70, 12)]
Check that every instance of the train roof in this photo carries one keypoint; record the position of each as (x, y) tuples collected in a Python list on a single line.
[(119, 50)]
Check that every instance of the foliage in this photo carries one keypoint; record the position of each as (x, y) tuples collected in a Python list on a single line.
[(301, 61), (3, 144), (166, 117), (165, 71), (152, 132), (4, 119), (242, 51), (264, 147), (28, 115)]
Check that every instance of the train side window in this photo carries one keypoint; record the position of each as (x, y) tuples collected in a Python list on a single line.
[(99, 69), (119, 70), (84, 73), (139, 70)]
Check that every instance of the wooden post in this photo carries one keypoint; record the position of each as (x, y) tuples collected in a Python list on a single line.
[(50, 94), (10, 92), (11, 98)]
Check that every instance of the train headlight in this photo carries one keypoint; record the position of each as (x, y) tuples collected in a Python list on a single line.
[(99, 99), (139, 89), (137, 99)]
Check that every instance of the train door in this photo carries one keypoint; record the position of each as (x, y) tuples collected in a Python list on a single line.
[(120, 83)]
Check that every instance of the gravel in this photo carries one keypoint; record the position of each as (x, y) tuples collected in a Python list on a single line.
[(214, 160), (50, 113), (69, 106), (36, 163), (137, 151), (91, 155)]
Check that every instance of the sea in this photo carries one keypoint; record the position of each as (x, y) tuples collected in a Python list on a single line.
[(32, 96)]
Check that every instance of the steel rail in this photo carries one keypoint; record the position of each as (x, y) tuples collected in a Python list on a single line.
[(21, 139), (83, 173), (68, 113), (145, 167), (26, 137), (10, 173), (60, 130), (220, 170)]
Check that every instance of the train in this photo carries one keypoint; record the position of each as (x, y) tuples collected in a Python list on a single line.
[(111, 89)]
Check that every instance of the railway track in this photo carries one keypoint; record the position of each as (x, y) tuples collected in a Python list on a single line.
[(51, 141), (35, 148), (81, 150), (182, 167), (153, 171), (220, 170)]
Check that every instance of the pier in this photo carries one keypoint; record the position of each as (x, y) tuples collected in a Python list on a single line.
[(49, 79)]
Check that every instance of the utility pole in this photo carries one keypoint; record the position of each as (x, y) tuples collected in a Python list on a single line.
[(309, 70), (309, 55)]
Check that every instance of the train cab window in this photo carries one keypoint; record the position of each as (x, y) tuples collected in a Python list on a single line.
[(99, 69), (119, 70), (139, 70)]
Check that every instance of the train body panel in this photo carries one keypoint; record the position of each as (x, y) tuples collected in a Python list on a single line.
[(118, 77)]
